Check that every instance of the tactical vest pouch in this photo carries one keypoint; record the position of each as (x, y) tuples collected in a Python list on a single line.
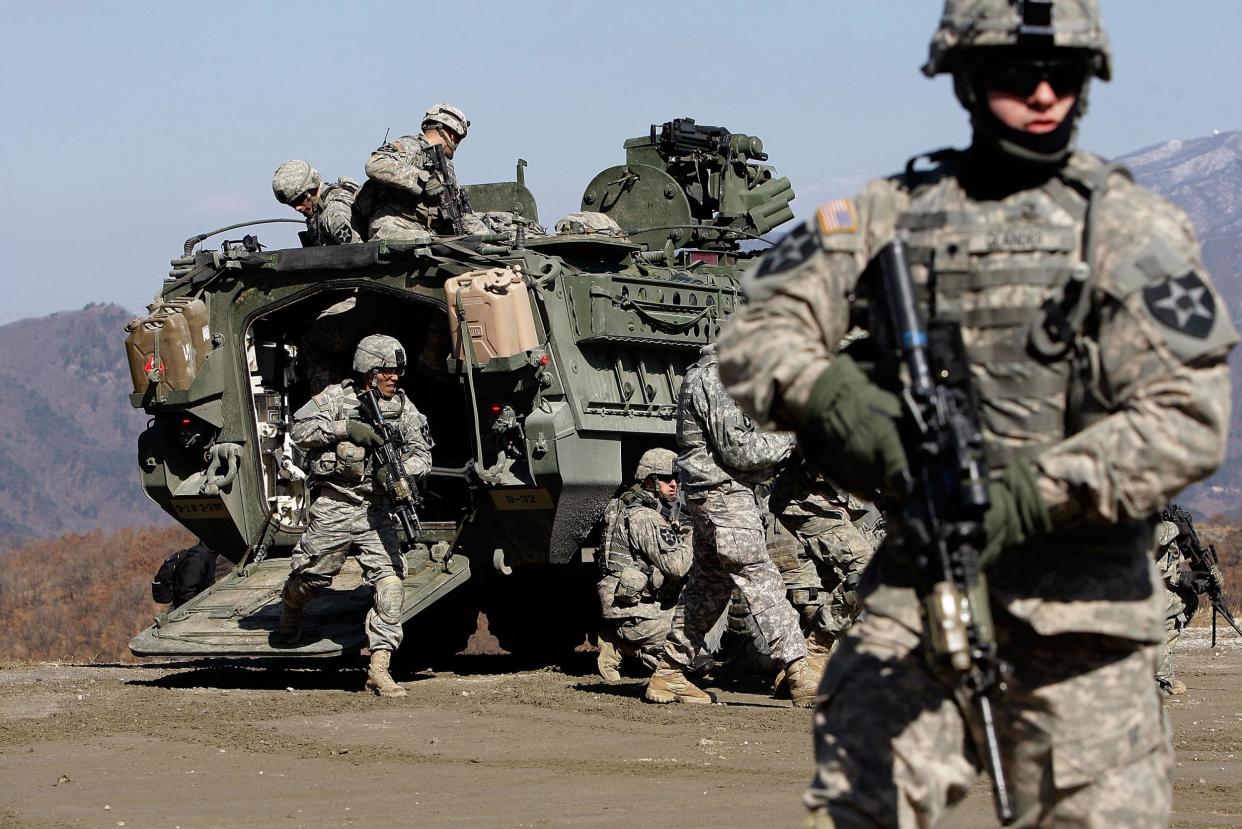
[(631, 582), (350, 461)]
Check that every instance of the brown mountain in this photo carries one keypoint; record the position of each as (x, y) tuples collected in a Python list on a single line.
[(67, 449)]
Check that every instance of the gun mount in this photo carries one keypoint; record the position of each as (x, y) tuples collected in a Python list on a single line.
[(694, 186)]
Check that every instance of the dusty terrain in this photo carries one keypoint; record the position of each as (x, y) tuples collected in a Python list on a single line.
[(226, 745)]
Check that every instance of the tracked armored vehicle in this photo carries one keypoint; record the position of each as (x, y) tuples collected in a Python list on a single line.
[(545, 364)]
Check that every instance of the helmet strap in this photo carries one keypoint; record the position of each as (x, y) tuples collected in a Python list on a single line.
[(992, 137)]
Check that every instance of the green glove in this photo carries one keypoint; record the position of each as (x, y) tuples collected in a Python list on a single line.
[(1017, 513), (851, 429), (361, 434)]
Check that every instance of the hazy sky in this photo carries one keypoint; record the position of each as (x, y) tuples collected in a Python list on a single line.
[(129, 126)]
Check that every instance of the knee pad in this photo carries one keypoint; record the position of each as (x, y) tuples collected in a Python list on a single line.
[(389, 599)]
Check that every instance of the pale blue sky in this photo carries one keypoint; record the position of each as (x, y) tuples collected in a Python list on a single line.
[(129, 126)]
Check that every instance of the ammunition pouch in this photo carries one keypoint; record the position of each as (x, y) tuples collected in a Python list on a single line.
[(631, 585), (351, 461), (801, 597)]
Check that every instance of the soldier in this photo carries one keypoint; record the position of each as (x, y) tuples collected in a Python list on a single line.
[(1098, 348), (825, 559), (646, 555), (328, 210), (350, 512), (184, 574), (725, 464), (406, 192)]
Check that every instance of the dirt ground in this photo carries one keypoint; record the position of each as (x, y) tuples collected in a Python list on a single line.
[(230, 745)]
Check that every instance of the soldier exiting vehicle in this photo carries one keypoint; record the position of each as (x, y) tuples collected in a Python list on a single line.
[(725, 465), (184, 574), (645, 555), (350, 513), (412, 190), (328, 209), (1094, 344)]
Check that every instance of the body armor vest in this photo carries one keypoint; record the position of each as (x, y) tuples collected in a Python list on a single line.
[(996, 267)]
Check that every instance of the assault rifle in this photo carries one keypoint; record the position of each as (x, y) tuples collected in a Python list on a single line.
[(396, 483), (454, 203), (1204, 564), (940, 501)]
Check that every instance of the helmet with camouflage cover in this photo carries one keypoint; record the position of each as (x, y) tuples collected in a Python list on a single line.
[(584, 222), (447, 115), (974, 25), (378, 351), (1166, 531), (293, 180), (655, 462)]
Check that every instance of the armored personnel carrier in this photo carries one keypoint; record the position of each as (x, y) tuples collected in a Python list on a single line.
[(545, 364)]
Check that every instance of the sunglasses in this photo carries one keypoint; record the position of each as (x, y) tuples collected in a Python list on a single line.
[(390, 370), (1023, 77)]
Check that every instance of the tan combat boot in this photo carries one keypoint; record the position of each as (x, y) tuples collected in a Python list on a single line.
[(669, 684), (608, 662), (378, 678), (293, 598), (803, 683), (818, 648), (1170, 687)]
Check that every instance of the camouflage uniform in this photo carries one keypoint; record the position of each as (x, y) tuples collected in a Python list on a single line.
[(404, 192), (1134, 407), (330, 221), (822, 567), (645, 560), (1180, 602), (724, 466), (350, 514)]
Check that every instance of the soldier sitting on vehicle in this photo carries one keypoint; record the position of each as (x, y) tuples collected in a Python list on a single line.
[(328, 210), (646, 553), (412, 191), (351, 512)]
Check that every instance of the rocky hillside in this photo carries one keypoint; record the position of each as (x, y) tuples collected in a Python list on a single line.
[(67, 449), (1204, 177)]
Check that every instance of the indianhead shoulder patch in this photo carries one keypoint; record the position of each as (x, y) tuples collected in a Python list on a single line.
[(1183, 303)]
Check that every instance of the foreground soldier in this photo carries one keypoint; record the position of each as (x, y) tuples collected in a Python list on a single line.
[(646, 555), (822, 567), (328, 210), (725, 464), (407, 192), (351, 513), (1097, 345)]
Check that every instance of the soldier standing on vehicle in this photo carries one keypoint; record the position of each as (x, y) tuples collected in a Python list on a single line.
[(726, 465), (825, 556), (407, 195), (1097, 345), (645, 557), (328, 210), (1181, 602), (351, 513)]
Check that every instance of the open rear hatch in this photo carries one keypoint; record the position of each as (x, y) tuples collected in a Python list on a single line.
[(237, 616)]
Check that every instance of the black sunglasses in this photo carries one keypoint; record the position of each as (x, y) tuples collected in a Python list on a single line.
[(390, 370), (1023, 77)]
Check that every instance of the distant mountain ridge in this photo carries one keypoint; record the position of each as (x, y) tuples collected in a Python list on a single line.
[(67, 449)]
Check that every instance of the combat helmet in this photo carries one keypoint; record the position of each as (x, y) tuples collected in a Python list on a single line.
[(971, 25), (655, 462), (378, 351), (585, 222), (293, 180), (447, 115), (1166, 531)]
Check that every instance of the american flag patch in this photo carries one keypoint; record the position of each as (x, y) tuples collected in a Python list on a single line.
[(837, 216)]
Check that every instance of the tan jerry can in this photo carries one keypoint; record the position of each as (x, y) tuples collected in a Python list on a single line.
[(164, 347), (497, 311)]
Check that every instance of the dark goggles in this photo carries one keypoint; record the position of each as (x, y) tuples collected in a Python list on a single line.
[(1022, 77), (397, 370)]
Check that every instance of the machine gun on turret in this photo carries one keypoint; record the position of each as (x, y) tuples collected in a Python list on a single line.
[(692, 185)]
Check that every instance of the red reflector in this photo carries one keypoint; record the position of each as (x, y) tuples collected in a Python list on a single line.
[(185, 421), (544, 359), (705, 257), (495, 409)]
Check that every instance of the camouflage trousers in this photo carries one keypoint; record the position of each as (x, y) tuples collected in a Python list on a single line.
[(730, 549), (1082, 731), (338, 529), (641, 637), (822, 579), (1176, 617), (399, 229)]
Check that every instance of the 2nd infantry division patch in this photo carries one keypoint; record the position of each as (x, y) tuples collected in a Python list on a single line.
[(789, 252), (1184, 304)]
